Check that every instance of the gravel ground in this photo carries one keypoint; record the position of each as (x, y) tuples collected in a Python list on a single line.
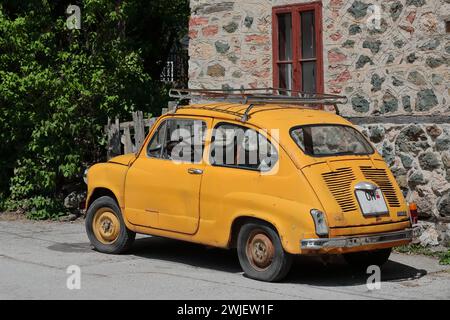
[(34, 257)]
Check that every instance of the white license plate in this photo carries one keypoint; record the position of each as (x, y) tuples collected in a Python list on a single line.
[(372, 202)]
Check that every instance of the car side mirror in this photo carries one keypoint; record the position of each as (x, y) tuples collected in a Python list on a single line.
[(154, 149)]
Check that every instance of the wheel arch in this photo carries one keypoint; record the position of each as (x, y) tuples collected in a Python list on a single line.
[(101, 192), (239, 221)]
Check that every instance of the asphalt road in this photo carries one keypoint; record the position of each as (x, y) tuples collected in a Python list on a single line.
[(34, 257)]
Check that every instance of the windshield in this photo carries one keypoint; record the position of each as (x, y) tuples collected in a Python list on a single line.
[(330, 140)]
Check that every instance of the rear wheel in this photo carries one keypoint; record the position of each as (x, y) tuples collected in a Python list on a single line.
[(105, 227), (261, 253), (363, 259)]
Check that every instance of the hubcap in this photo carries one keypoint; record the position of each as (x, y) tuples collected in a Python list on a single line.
[(260, 250), (106, 226)]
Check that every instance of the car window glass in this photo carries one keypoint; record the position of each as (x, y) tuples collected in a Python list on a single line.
[(181, 140), (242, 147), (330, 140)]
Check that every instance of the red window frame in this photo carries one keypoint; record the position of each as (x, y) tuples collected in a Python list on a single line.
[(295, 11)]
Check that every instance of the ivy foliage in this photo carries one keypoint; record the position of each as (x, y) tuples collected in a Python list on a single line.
[(59, 86)]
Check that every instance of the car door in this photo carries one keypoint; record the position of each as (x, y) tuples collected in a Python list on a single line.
[(242, 172), (162, 187)]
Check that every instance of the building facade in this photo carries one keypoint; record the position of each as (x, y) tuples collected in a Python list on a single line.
[(390, 58)]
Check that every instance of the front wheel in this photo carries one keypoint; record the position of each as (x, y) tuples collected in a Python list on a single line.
[(261, 253), (105, 227), (363, 259)]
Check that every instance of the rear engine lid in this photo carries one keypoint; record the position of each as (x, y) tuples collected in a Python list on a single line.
[(335, 183)]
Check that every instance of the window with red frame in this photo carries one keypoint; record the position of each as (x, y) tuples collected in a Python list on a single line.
[(297, 47)]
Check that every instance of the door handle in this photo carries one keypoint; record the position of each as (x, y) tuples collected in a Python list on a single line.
[(195, 171)]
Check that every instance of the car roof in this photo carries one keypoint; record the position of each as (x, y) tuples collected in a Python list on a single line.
[(264, 116)]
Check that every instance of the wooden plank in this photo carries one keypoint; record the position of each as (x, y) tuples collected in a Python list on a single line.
[(139, 129), (128, 146), (121, 133), (114, 143), (130, 124), (171, 106), (151, 123)]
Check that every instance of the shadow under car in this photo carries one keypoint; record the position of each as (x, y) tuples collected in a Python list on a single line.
[(323, 270)]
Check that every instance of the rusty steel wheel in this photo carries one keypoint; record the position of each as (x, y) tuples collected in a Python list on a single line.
[(260, 250), (105, 227), (261, 253)]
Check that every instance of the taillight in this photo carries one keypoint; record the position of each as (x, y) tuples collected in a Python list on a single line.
[(413, 213), (320, 222)]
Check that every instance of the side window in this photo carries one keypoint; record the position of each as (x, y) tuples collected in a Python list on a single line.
[(297, 50), (241, 147), (180, 140)]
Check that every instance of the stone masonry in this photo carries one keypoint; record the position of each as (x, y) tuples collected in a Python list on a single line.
[(396, 76)]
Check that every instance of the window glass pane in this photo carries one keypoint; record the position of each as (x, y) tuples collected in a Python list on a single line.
[(285, 37), (241, 147), (267, 154), (308, 35), (155, 145), (309, 76), (285, 76), (184, 140), (331, 140)]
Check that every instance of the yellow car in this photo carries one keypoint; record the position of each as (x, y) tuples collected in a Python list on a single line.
[(274, 178)]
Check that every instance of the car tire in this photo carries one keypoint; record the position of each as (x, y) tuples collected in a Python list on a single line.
[(363, 259), (261, 254), (105, 227)]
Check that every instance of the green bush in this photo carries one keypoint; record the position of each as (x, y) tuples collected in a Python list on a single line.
[(58, 87), (444, 258)]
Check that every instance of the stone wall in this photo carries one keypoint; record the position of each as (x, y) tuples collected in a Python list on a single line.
[(419, 157), (401, 68), (230, 44), (399, 71)]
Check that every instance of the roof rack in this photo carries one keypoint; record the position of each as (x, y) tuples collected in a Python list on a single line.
[(258, 96)]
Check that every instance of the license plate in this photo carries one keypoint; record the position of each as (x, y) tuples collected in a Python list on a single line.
[(371, 202)]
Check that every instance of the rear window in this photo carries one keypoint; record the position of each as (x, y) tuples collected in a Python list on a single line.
[(330, 140)]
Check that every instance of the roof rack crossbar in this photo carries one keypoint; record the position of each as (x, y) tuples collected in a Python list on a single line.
[(254, 96), (260, 94)]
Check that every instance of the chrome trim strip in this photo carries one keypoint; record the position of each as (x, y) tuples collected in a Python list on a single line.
[(356, 241)]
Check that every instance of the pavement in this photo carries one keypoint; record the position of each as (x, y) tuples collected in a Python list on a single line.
[(35, 256)]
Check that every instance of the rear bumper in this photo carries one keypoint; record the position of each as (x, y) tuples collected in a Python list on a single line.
[(348, 242)]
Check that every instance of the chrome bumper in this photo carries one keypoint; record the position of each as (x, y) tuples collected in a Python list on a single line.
[(356, 241)]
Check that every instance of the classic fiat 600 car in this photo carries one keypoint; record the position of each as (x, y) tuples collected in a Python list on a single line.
[(271, 176)]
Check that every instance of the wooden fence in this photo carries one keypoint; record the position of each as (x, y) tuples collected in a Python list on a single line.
[(127, 137)]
